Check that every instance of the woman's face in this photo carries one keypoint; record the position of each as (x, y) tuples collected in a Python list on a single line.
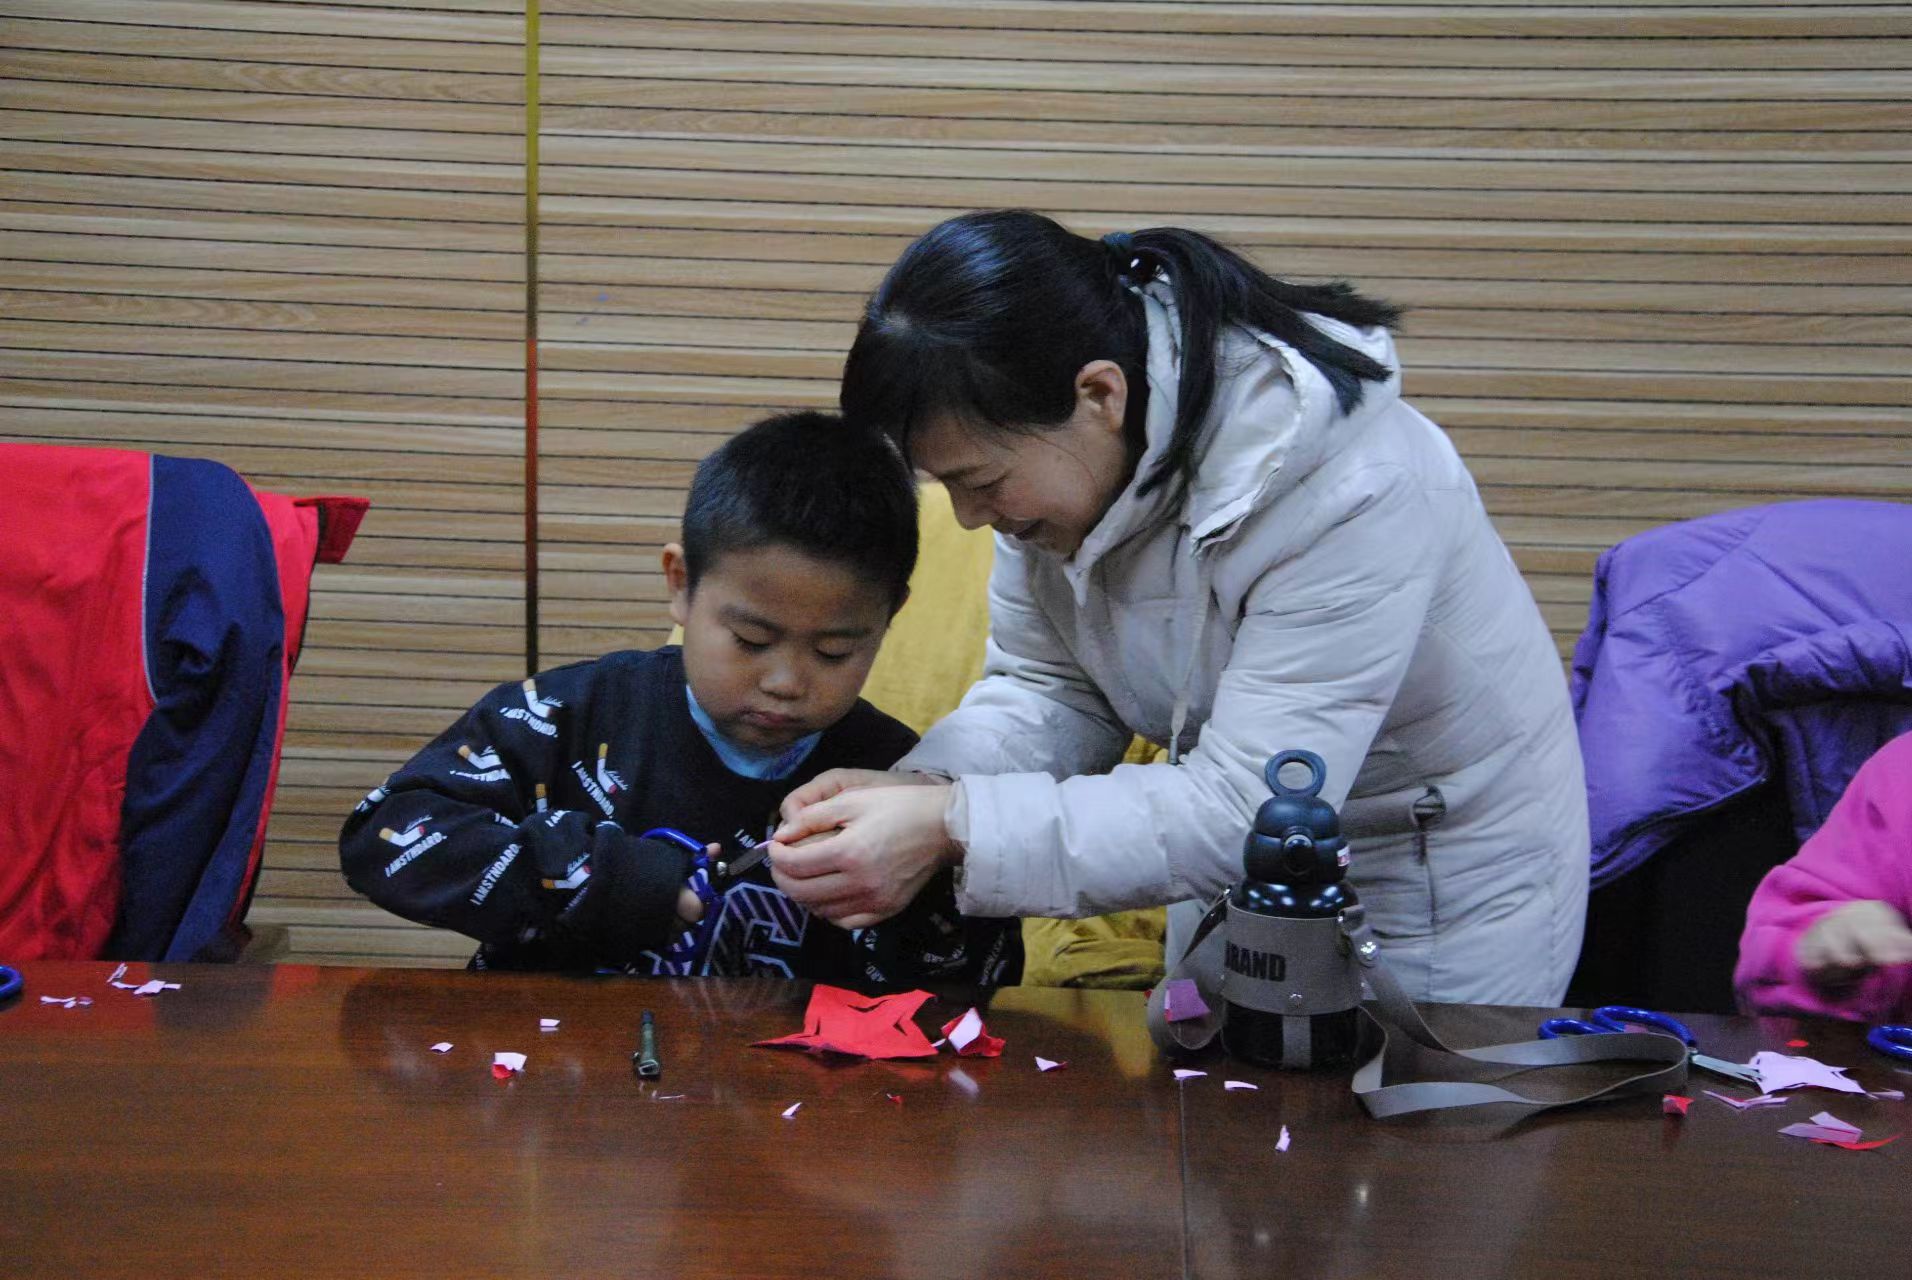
[(1048, 488)]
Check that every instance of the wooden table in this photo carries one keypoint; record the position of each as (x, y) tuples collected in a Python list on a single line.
[(293, 1121)]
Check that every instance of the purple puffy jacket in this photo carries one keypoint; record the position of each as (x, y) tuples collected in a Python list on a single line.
[(1721, 649)]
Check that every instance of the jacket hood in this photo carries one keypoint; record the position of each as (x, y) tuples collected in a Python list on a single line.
[(1273, 420)]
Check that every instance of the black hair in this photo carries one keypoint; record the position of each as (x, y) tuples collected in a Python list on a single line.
[(809, 481), (989, 316)]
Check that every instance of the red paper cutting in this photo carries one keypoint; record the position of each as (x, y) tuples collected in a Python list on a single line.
[(1857, 1146), (970, 1039), (1674, 1105), (499, 1071), (859, 1026), (1797, 1044)]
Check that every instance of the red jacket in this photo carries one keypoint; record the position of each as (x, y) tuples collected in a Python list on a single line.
[(151, 609)]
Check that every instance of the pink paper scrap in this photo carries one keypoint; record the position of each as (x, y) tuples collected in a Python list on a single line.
[(1281, 1143), (1183, 1073), (547, 1024), (443, 1046), (1048, 1064), (68, 1002), (1825, 1127), (789, 1112), (1183, 1001), (1778, 1071), (1674, 1105), (1746, 1104), (1234, 1085)]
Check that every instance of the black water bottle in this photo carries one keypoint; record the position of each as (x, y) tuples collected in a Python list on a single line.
[(1289, 982)]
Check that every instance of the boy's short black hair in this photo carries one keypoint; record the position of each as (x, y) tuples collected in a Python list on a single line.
[(810, 481)]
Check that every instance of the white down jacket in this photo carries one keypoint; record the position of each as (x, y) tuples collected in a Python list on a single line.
[(1330, 582)]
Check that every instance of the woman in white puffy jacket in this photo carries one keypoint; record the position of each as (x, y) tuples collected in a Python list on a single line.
[(1219, 527)]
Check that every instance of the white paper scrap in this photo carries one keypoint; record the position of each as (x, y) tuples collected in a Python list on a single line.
[(1281, 1143), (69, 1002), (1239, 1084), (790, 1111), (443, 1046), (1778, 1071), (1047, 1064), (154, 987), (1183, 1073), (547, 1024), (512, 1062), (966, 1029)]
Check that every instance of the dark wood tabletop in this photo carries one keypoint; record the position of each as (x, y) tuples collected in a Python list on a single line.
[(294, 1120)]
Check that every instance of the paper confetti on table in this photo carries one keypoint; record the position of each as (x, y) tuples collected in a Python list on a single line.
[(506, 1065), (443, 1046), (70, 1002), (668, 1097), (1674, 1105), (1883, 1095), (1281, 1143), (1047, 1064), (790, 1111), (859, 1026), (1745, 1104), (895, 1098), (153, 988), (1855, 1145), (1798, 1044), (1825, 1127), (547, 1024), (1234, 1085), (113, 979), (1778, 1071), (1184, 1073), (970, 1038), (1183, 1001)]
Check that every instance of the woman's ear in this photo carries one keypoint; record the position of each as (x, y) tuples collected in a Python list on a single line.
[(1102, 390), (677, 579)]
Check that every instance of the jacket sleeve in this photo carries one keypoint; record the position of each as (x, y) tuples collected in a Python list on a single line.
[(1862, 853), (1034, 708), (463, 838), (1324, 640)]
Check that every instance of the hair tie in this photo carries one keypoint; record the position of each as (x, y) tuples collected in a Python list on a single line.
[(1122, 245)]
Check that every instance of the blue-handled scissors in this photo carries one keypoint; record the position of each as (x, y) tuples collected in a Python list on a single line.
[(11, 983), (1617, 1017), (691, 946), (1894, 1041)]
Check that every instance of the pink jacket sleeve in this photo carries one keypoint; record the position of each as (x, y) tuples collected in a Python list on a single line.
[(1864, 851)]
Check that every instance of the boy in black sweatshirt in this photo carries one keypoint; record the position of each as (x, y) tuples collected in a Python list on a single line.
[(528, 825)]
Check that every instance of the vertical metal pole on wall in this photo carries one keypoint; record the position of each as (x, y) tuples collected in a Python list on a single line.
[(531, 337)]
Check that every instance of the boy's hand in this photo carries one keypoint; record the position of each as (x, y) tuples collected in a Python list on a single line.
[(1851, 939), (825, 785), (892, 840)]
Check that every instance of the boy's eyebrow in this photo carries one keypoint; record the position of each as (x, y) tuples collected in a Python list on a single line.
[(737, 615)]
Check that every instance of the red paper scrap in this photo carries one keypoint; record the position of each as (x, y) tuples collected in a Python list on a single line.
[(897, 1098), (499, 1071), (1873, 1145), (859, 1026), (970, 1038), (1674, 1105), (1798, 1044)]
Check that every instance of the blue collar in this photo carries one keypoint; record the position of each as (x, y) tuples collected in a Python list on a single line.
[(748, 761)]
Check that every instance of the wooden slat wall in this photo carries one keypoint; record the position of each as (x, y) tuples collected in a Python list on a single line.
[(289, 237), (1656, 255)]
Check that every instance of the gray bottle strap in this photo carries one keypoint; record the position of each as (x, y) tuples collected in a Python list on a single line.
[(1415, 1070)]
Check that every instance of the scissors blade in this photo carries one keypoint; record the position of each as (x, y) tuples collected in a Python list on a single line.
[(1721, 1067), (743, 863)]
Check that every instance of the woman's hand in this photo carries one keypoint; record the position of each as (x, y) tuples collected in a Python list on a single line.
[(1851, 939), (863, 854), (825, 785)]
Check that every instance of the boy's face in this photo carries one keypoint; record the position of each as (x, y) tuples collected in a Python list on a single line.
[(777, 643)]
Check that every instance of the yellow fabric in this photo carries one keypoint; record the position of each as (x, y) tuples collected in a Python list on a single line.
[(931, 655)]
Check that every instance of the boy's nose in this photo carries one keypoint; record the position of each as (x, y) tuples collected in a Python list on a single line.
[(782, 680)]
